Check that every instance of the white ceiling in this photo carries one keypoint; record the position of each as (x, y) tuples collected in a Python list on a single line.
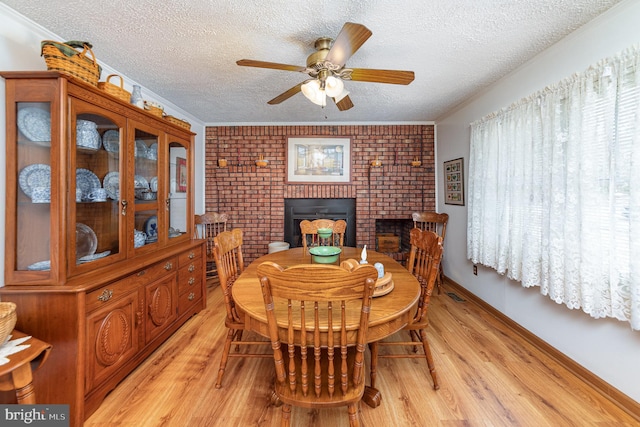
[(186, 50)]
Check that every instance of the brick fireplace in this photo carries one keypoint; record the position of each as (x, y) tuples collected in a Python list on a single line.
[(254, 197)]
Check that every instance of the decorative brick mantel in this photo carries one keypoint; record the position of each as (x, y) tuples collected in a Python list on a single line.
[(254, 197)]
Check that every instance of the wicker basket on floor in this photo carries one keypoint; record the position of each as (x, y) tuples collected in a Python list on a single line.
[(65, 58), (8, 320), (180, 122), (113, 90)]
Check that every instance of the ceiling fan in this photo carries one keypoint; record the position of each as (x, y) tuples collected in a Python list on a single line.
[(327, 69)]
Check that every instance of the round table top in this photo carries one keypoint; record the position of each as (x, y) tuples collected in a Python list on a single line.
[(389, 313)]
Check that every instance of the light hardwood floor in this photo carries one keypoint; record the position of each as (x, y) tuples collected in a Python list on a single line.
[(489, 376)]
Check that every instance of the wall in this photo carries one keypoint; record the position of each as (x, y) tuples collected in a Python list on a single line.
[(606, 347), (254, 197)]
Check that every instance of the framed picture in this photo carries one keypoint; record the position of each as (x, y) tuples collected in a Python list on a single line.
[(319, 160), (181, 175), (454, 182)]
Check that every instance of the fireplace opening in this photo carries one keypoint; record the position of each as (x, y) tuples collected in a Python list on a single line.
[(393, 237), (297, 210)]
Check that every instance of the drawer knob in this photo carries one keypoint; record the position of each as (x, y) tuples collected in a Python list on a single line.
[(191, 281), (105, 295), (192, 296), (192, 268), (192, 255), (168, 266)]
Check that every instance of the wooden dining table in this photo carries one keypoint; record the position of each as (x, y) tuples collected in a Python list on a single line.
[(389, 313)]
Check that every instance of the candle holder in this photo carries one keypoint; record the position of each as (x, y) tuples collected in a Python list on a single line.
[(416, 163), (261, 162), (376, 163), (222, 163)]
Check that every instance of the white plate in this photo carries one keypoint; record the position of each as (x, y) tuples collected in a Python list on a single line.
[(111, 141), (86, 181), (141, 182), (33, 176), (141, 149), (89, 258), (40, 266), (111, 183), (35, 124), (86, 241)]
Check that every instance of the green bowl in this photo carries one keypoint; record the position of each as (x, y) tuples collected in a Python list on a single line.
[(325, 233), (325, 254)]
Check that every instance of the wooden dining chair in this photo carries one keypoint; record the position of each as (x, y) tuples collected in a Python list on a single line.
[(424, 259), (436, 222), (309, 231), (316, 369), (227, 251), (208, 226)]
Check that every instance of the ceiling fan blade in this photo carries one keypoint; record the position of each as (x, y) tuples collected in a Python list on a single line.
[(286, 95), (272, 65), (397, 77), (351, 37), (344, 104)]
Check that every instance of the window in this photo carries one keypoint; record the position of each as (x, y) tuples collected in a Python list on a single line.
[(554, 190)]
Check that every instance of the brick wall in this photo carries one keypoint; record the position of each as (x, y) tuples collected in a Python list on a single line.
[(254, 197)]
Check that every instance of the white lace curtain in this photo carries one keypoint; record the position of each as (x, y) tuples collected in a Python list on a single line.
[(554, 190)]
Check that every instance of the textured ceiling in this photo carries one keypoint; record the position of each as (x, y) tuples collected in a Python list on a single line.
[(186, 50)]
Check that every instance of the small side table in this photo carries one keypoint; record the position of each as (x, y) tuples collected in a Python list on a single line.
[(18, 373)]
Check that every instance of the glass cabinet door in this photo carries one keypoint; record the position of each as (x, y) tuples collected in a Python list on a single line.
[(145, 187), (179, 173), (97, 153), (34, 187)]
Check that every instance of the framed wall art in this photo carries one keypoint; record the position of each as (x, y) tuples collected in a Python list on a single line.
[(316, 160), (181, 175), (454, 182)]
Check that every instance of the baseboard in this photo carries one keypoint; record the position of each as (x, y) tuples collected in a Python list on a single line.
[(620, 399)]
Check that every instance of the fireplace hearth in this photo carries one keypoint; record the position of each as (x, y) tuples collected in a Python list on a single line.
[(297, 210)]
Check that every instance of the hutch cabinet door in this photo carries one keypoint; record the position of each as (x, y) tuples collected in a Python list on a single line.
[(112, 337), (162, 305), (35, 139), (96, 207), (178, 203)]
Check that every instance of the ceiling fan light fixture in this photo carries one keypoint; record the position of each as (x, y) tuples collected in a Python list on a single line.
[(334, 86), (341, 95), (314, 93)]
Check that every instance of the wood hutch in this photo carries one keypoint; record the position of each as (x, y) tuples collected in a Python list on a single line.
[(104, 279)]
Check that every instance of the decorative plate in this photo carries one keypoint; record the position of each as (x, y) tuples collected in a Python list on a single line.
[(40, 266), (141, 149), (86, 181), (86, 241), (154, 184), (152, 151), (111, 141), (35, 124), (33, 176), (89, 258), (140, 182), (151, 228), (111, 183)]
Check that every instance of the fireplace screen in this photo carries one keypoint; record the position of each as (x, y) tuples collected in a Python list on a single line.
[(297, 210)]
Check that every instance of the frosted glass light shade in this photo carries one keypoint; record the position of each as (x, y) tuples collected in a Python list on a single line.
[(314, 93), (333, 86)]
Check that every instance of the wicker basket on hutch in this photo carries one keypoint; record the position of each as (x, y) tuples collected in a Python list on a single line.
[(113, 90), (65, 58), (180, 122)]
